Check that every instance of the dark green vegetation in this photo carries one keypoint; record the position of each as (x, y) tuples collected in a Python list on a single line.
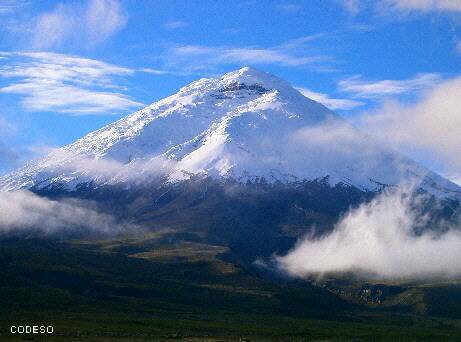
[(92, 290), (190, 273), (254, 220)]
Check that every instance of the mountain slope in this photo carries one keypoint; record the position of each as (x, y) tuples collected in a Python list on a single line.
[(245, 125)]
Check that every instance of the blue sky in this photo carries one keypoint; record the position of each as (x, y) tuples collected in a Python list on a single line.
[(391, 66)]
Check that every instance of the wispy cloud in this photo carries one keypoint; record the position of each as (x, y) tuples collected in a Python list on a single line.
[(10, 6), (83, 24), (288, 7), (458, 47), (153, 71), (351, 6), (373, 89), (173, 25), (401, 8), (65, 84), (12, 155), (293, 53), (455, 177), (254, 55), (303, 41), (379, 239), (421, 5), (329, 102), (5, 127), (7, 154)]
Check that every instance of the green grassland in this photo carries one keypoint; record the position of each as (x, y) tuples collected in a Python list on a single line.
[(158, 286)]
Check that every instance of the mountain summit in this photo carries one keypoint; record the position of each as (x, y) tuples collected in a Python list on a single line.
[(245, 125)]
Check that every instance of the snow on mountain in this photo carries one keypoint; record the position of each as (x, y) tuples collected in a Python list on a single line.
[(245, 124)]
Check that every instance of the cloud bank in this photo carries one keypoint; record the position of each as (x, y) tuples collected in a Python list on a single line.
[(431, 124), (378, 240), (63, 166), (23, 211), (114, 171)]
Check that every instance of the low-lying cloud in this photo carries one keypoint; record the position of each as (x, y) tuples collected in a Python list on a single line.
[(112, 170), (347, 155), (378, 240), (23, 211), (64, 167), (430, 124)]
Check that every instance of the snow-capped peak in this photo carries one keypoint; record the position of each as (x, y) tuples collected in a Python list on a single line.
[(251, 76), (244, 124)]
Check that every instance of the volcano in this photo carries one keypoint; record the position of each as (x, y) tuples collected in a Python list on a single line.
[(178, 213), (246, 125), (243, 161)]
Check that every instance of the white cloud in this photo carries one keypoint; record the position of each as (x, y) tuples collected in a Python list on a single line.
[(352, 6), (432, 124), (5, 127), (41, 96), (83, 24), (329, 102), (288, 7), (293, 53), (454, 177), (103, 19), (110, 170), (12, 155), (153, 71), (65, 84), (422, 5), (402, 8), (252, 55), (337, 148), (7, 154), (9, 6), (77, 168), (458, 47), (173, 25), (378, 240), (301, 42), (373, 89), (27, 211)]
